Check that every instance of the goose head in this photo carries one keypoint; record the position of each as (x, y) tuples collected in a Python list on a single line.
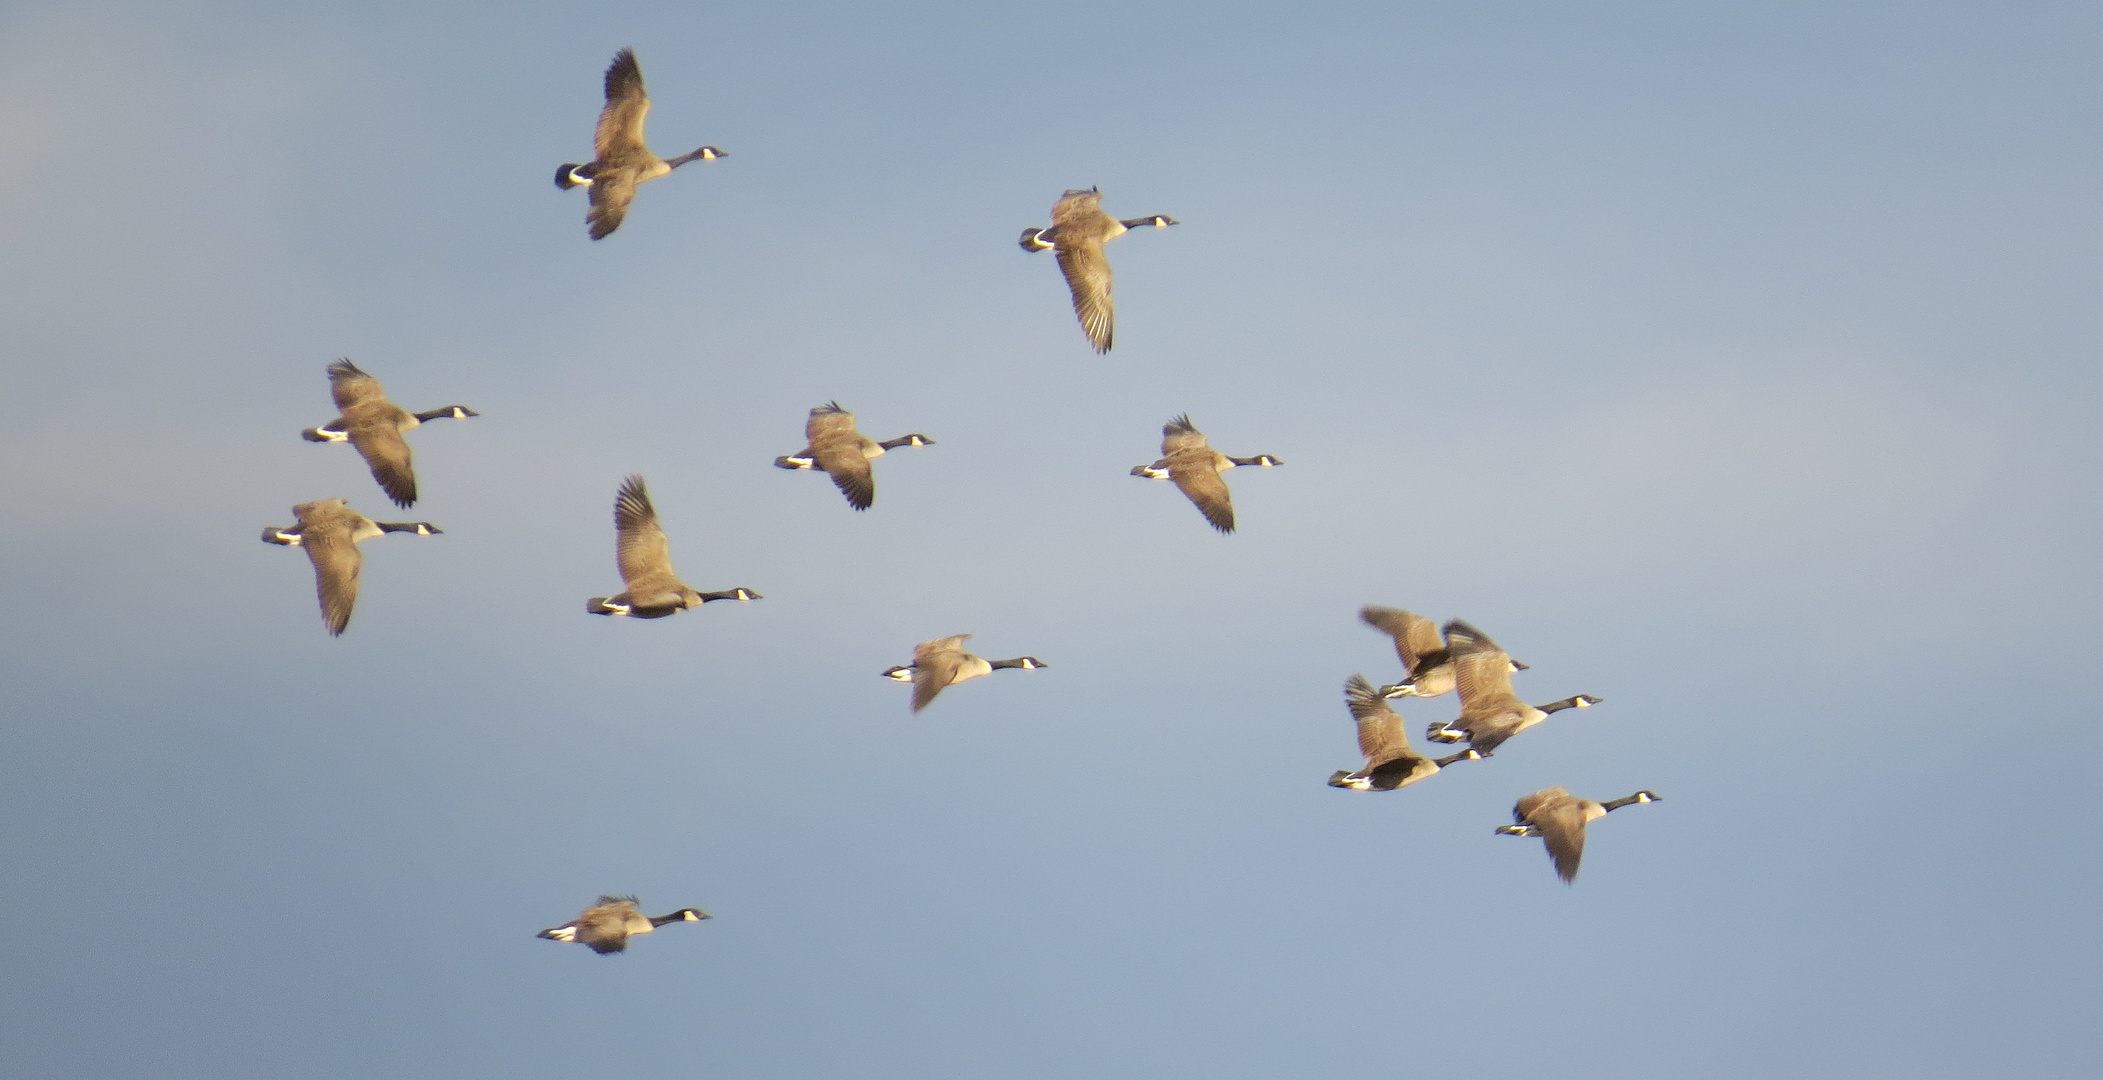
[(901, 673)]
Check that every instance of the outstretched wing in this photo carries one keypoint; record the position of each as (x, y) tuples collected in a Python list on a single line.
[(1088, 278), (387, 455), (336, 564), (620, 129), (639, 544), (1380, 734), (1415, 636)]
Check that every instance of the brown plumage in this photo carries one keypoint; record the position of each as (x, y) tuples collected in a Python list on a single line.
[(844, 453), (942, 663), (622, 159), (1390, 763), (1189, 460), (330, 531), (1559, 819), (607, 925), (1489, 712), (368, 421), (1079, 229), (645, 560)]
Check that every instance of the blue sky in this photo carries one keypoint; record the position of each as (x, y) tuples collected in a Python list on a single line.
[(1736, 365)]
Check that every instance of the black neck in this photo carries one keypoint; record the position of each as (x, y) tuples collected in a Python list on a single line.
[(408, 527), (1018, 662), (1146, 222), (906, 440), (1465, 755), (1257, 460), (1559, 706), (729, 594), (1619, 803), (677, 916), (450, 412)]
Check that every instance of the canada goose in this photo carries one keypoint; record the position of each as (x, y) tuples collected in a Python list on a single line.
[(1559, 818), (1389, 762), (943, 662), (639, 549), (1489, 712), (1426, 664), (623, 160), (1194, 465), (330, 531), (1079, 229), (607, 925), (374, 425), (843, 452)]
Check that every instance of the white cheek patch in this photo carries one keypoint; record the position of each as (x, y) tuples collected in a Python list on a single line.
[(333, 436), (617, 609), (563, 933), (289, 539)]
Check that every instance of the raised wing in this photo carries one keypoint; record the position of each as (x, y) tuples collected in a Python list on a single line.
[(1481, 671), (1179, 435), (351, 387), (387, 455), (639, 544), (620, 130), (1415, 636), (1380, 735), (828, 421)]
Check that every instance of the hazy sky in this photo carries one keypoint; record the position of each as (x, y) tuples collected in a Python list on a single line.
[(1734, 363)]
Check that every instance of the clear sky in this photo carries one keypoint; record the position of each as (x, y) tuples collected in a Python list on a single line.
[(1734, 363)]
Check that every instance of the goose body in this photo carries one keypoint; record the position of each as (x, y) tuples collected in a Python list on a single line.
[(1559, 818), (1489, 712), (330, 532), (943, 663), (1390, 763), (622, 160), (1194, 466), (374, 425), (1426, 662), (645, 560), (1078, 231), (607, 925), (844, 453)]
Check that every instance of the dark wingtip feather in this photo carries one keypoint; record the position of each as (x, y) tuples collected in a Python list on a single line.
[(632, 502), (344, 369), (621, 72), (1177, 426)]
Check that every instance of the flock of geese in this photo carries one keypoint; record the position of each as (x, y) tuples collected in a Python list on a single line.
[(1435, 662)]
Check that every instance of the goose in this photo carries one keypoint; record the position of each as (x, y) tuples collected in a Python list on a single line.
[(1079, 229), (1389, 762), (645, 560), (1559, 818), (1194, 465), (330, 532), (943, 662), (623, 160), (1489, 712), (1426, 664), (374, 425), (843, 452), (607, 925)]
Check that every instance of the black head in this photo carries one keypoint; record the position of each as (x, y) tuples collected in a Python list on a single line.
[(1030, 241), (567, 176)]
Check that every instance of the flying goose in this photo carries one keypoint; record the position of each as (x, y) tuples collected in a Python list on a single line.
[(1427, 666), (374, 425), (1079, 229), (1489, 712), (639, 549), (1559, 818), (843, 452), (1194, 465), (623, 160), (607, 925), (943, 662), (1389, 762), (330, 531)]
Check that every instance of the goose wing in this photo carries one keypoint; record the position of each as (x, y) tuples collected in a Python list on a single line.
[(1380, 734), (604, 926), (611, 192), (1415, 636), (325, 533), (639, 545), (935, 665), (620, 130), (1562, 824), (1196, 473), (1087, 273), (351, 387), (386, 453), (838, 450), (1481, 671)]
